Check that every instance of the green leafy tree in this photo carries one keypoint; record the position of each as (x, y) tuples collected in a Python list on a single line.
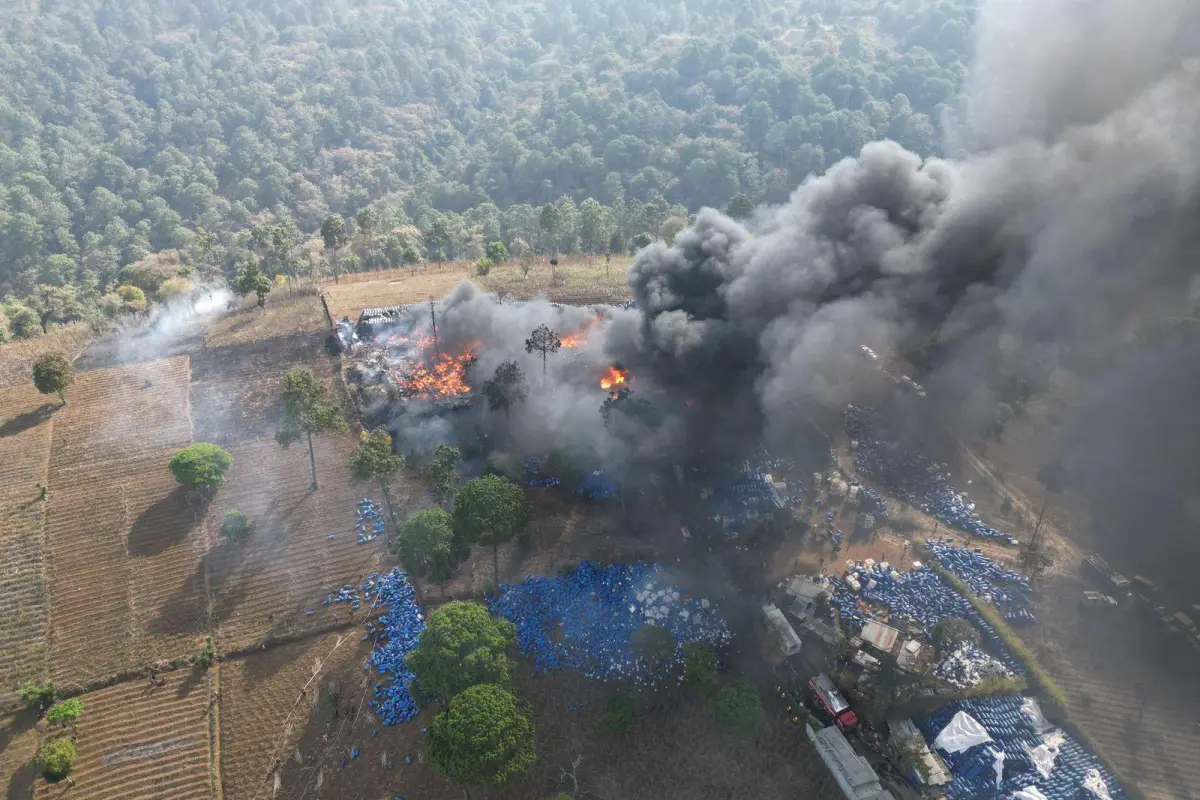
[(374, 460), (53, 373), (34, 693), (55, 305), (485, 737), (739, 206), (551, 221), (462, 646), (201, 466), (132, 298), (307, 409), (738, 709), (619, 714), (66, 712), (544, 341), (367, 225), (490, 510), (950, 632), (333, 234), (496, 252), (445, 473), (207, 654), (670, 228), (426, 547), (251, 280), (699, 666), (56, 758), (234, 524)]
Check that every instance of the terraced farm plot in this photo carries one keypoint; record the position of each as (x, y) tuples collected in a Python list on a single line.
[(26, 424), (18, 747), (263, 585), (235, 389), (285, 315), (137, 743), (120, 536), (263, 712)]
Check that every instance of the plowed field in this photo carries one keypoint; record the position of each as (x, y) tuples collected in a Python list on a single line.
[(26, 423), (263, 585), (120, 535), (137, 743), (263, 713)]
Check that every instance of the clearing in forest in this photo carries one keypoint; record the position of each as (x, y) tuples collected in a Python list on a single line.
[(26, 423), (137, 742)]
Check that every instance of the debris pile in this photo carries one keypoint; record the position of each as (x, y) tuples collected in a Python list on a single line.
[(586, 620), (400, 629), (535, 475), (1003, 588), (965, 667), (599, 485), (1026, 751), (369, 522), (745, 498), (920, 596), (910, 475)]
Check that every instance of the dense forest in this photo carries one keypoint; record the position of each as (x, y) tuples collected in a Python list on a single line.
[(144, 138)]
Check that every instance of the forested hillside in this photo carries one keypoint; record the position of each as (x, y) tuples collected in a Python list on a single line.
[(222, 129)]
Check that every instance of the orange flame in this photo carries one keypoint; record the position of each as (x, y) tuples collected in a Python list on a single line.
[(437, 375), (615, 376), (572, 340)]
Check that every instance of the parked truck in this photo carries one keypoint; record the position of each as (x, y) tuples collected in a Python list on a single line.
[(830, 703), (1107, 578)]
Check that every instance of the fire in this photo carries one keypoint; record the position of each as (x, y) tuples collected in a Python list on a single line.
[(573, 340), (426, 373), (614, 377)]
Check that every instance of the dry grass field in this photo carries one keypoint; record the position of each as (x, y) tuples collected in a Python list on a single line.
[(267, 701), (26, 424), (135, 742), (17, 356), (286, 314), (119, 533), (582, 280)]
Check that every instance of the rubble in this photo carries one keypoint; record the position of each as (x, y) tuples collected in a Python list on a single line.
[(966, 666), (585, 620)]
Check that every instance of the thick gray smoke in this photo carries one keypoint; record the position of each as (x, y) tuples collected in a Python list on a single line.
[(1081, 210)]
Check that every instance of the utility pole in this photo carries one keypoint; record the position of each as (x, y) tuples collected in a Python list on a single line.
[(433, 322)]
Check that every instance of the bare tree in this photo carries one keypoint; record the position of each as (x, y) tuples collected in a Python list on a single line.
[(544, 341)]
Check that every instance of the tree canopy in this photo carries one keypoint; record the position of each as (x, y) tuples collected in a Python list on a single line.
[(950, 632), (220, 131), (201, 466), (53, 373), (460, 647), (490, 510), (66, 712), (307, 409), (737, 708), (426, 546), (56, 758), (485, 737)]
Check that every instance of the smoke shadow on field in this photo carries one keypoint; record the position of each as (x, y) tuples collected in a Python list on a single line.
[(30, 419), (166, 522)]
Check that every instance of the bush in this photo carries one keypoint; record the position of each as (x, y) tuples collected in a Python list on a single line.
[(950, 632), (206, 656), (201, 466), (66, 712), (738, 709), (22, 322), (132, 298), (496, 252), (619, 714), (699, 666), (56, 758), (33, 693), (173, 287), (234, 524), (483, 267)]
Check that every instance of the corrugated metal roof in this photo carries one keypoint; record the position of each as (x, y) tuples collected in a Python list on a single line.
[(880, 636), (851, 771), (905, 729)]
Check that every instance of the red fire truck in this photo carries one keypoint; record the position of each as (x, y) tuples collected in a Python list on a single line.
[(831, 703)]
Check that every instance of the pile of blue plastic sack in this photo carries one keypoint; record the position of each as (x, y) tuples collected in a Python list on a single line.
[(599, 485), (585, 621), (534, 475), (1003, 588), (744, 497), (369, 521), (872, 502), (908, 474), (920, 596), (967, 665), (400, 629), (1019, 732)]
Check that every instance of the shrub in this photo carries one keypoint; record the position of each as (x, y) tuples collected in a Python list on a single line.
[(201, 466), (22, 322), (738, 709), (173, 287), (66, 712), (56, 758), (33, 693), (132, 298), (206, 655), (619, 714), (699, 666), (483, 267), (950, 632), (234, 524), (496, 252)]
